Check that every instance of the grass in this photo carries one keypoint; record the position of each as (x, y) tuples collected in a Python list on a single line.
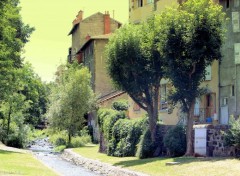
[(17, 164), (156, 166)]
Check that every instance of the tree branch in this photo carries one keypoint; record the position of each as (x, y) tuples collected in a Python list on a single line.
[(193, 70), (138, 101)]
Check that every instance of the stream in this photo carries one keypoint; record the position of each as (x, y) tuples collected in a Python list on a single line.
[(44, 152)]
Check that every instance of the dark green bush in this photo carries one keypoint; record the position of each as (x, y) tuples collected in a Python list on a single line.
[(147, 148), (60, 141), (232, 136), (14, 141), (125, 137), (106, 120), (121, 105), (175, 140)]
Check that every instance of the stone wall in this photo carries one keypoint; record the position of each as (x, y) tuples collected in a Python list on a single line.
[(215, 142), (97, 166)]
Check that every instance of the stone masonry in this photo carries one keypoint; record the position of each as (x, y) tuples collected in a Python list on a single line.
[(96, 166), (215, 142)]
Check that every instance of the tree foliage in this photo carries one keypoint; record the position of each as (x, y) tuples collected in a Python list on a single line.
[(177, 44), (70, 100), (194, 36), (132, 51), (22, 94)]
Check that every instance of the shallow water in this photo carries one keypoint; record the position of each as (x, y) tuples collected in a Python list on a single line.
[(44, 152)]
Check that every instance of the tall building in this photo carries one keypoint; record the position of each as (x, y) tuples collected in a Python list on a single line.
[(229, 70), (89, 38), (207, 106), (83, 29)]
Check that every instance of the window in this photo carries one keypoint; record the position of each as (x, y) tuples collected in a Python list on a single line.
[(227, 4), (232, 90), (225, 101), (236, 3), (208, 74), (163, 97), (140, 3)]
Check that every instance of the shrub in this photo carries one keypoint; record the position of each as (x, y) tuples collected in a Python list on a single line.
[(147, 148), (80, 141), (19, 136), (60, 148), (121, 105), (59, 138), (232, 136), (175, 140), (106, 119), (125, 136)]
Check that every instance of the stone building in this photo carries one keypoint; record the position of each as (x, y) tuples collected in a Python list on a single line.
[(83, 29), (89, 38), (207, 106), (229, 70)]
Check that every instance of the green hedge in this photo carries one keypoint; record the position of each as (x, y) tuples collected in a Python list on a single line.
[(125, 137), (106, 120), (175, 140), (147, 148), (120, 105)]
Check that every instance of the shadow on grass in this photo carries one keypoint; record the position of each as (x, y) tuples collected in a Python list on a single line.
[(8, 152), (163, 161), (137, 162), (187, 160)]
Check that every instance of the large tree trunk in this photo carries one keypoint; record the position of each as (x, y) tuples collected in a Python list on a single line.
[(189, 151), (153, 113)]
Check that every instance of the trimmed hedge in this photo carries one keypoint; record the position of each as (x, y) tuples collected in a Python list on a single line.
[(125, 137), (121, 105), (121, 135), (106, 120), (175, 140), (147, 148)]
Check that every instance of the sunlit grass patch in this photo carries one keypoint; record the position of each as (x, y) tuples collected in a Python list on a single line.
[(14, 163), (157, 166)]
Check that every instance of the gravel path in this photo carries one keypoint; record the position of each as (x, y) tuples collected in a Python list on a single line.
[(44, 152)]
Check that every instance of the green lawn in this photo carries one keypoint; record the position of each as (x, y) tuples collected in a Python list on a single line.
[(189, 166), (17, 164)]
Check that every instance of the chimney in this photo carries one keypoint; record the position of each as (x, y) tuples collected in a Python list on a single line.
[(107, 23), (78, 18), (88, 37)]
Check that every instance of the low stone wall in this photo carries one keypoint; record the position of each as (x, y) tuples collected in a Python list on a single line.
[(96, 166), (215, 142)]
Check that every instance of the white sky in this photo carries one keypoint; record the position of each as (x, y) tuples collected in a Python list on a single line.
[(52, 19)]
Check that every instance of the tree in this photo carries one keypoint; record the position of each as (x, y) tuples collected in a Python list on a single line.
[(71, 98), (35, 92), (135, 66), (194, 36), (13, 35)]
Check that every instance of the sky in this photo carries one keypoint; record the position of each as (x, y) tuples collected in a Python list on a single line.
[(52, 20)]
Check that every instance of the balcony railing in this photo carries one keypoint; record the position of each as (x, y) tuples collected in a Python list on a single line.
[(203, 115)]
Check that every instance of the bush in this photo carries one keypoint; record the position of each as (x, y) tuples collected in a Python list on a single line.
[(147, 148), (121, 105), (18, 137), (232, 136), (60, 148), (175, 140), (80, 141), (59, 138), (106, 120), (125, 136)]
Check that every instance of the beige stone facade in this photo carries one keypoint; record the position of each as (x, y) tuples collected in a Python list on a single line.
[(207, 105), (83, 29)]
